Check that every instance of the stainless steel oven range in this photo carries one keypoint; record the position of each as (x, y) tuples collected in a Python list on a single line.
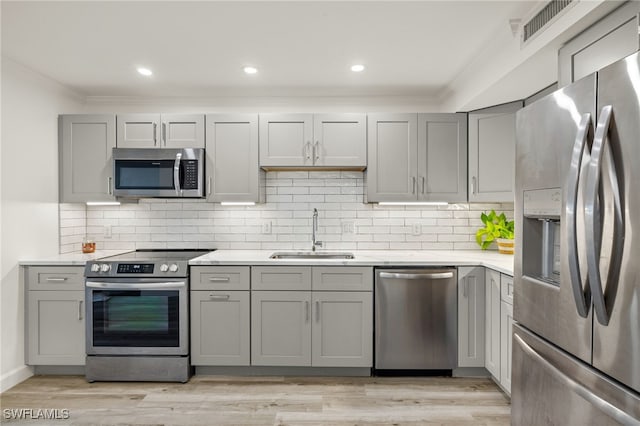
[(138, 316)]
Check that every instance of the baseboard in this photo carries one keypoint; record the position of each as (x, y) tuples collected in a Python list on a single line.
[(15, 376)]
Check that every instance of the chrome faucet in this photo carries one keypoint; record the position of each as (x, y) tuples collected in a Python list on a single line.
[(314, 229)]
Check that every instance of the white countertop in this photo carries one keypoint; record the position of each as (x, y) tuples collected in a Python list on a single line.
[(491, 259), (70, 259)]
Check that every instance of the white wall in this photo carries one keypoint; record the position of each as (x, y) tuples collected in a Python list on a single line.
[(29, 221)]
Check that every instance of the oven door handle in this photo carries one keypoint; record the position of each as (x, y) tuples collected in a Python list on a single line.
[(137, 286)]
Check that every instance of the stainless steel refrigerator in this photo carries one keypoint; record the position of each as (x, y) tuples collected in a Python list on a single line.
[(576, 344)]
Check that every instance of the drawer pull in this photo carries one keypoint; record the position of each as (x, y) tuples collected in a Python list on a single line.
[(56, 279), (219, 296), (220, 279)]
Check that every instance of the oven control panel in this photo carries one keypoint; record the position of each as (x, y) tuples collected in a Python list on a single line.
[(135, 268)]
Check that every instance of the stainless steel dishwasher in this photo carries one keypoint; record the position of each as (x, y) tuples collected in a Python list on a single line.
[(416, 319)]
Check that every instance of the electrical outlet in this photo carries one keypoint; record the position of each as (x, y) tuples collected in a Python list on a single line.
[(348, 228), (416, 229), (107, 231), (266, 227)]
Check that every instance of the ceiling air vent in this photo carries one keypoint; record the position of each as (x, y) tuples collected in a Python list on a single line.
[(543, 17)]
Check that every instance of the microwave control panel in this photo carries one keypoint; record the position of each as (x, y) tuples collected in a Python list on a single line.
[(190, 180)]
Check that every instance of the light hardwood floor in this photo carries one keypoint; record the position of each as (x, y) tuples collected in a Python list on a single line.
[(217, 400)]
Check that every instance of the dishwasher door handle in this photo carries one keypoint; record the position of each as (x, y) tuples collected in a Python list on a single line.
[(431, 276)]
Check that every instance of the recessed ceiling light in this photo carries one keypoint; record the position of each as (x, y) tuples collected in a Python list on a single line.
[(250, 70), (145, 71), (357, 68)]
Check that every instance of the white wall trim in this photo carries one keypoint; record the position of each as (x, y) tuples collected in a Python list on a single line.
[(15, 376)]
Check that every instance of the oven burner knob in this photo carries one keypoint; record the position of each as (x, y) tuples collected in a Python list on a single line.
[(173, 268), (164, 267), (95, 267), (105, 267)]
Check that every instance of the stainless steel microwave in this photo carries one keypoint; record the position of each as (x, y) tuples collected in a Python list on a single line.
[(158, 172)]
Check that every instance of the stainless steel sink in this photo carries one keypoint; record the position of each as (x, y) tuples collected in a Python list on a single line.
[(311, 255)]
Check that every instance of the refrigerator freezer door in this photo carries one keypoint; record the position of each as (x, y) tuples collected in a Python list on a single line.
[(547, 131), (616, 346), (552, 388)]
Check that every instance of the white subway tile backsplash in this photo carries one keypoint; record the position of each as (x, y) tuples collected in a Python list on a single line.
[(291, 197)]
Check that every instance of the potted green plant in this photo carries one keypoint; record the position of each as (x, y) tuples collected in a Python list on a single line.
[(496, 228)]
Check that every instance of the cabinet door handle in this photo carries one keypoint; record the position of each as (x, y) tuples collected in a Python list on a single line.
[(219, 296), (56, 279), (219, 279), (306, 311), (473, 185), (317, 311), (316, 151), (413, 185), (155, 136), (109, 187), (164, 133), (80, 310), (209, 186), (307, 150), (424, 183)]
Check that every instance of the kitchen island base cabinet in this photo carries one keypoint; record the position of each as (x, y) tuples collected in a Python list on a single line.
[(220, 328)]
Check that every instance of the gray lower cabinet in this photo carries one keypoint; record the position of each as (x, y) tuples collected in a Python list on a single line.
[(492, 323), (220, 328), (608, 40), (160, 131), (471, 316), (54, 316), (329, 326), (342, 331), (233, 173), (281, 328), (85, 144), (506, 331), (492, 141), (313, 140), (220, 315), (417, 157)]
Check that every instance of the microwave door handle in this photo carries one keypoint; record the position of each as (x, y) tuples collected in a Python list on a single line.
[(176, 174), (581, 297), (593, 219)]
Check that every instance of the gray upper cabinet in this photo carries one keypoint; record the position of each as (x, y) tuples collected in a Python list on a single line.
[(308, 140), (160, 131), (392, 157), (610, 39), (417, 157), (340, 140), (492, 139), (286, 140), (85, 148), (442, 157), (471, 316), (232, 167)]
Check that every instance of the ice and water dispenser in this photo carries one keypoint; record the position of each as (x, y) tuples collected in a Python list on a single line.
[(541, 234)]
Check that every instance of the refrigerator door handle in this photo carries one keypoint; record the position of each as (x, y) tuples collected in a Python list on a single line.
[(593, 220), (577, 387), (581, 297)]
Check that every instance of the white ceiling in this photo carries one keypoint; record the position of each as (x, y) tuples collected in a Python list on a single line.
[(415, 48)]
